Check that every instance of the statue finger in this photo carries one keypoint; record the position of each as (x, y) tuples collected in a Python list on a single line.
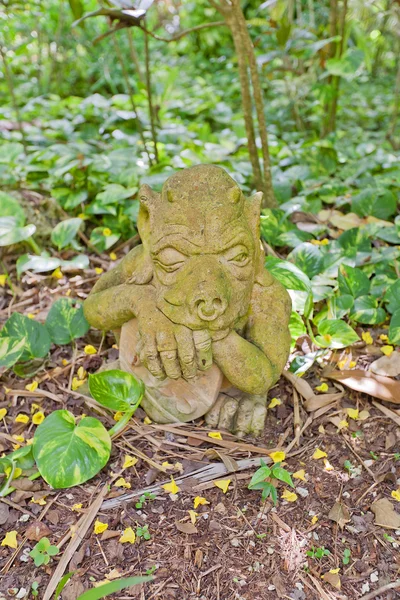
[(202, 342), (228, 413), (167, 347), (171, 363), (258, 419), (244, 417), (150, 358), (186, 351), (212, 416)]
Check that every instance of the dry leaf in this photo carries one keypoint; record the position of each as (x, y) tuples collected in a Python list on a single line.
[(385, 515), (366, 382), (387, 365), (188, 528), (37, 530), (340, 514), (4, 512), (333, 579)]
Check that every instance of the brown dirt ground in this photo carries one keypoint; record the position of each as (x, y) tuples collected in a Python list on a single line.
[(244, 548)]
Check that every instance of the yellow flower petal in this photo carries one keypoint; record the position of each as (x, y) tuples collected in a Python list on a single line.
[(31, 387), (396, 495), (98, 270), (76, 507), (314, 520), (3, 412), (40, 501), (215, 435), (343, 424), (171, 487), (387, 350), (147, 421), (300, 475), (352, 364), (222, 484), (199, 501), (76, 383), (367, 337), (90, 349), (99, 527), (324, 242), (30, 316), (10, 540), (384, 337), (328, 466), (128, 536), (322, 388), (38, 418), (19, 438), (278, 456), (167, 465), (129, 461), (57, 273), (289, 496), (107, 232), (81, 373), (193, 516), (17, 472), (319, 454), (3, 279), (113, 256), (274, 402), (21, 418), (121, 482), (64, 362), (118, 415), (178, 466), (352, 413), (334, 571)]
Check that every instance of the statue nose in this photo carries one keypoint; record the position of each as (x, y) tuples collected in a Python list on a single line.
[(209, 309)]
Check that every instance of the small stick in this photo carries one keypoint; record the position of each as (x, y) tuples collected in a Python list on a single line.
[(381, 590), (296, 417), (359, 458)]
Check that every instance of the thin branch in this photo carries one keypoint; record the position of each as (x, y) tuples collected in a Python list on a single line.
[(149, 94), (131, 95), (180, 35)]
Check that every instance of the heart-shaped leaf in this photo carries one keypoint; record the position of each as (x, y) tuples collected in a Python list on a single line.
[(10, 233), (37, 339), (366, 311), (66, 321), (67, 453), (11, 351), (394, 328), (353, 281), (116, 389), (335, 333), (64, 232)]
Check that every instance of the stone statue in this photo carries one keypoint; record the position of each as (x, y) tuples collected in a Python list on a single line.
[(197, 316)]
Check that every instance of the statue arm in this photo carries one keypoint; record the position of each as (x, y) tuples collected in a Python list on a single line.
[(112, 300), (254, 363)]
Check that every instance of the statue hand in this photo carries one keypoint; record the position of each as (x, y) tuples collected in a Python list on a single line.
[(171, 350)]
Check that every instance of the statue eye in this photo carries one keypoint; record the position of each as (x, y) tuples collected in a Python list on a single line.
[(240, 258), (170, 260)]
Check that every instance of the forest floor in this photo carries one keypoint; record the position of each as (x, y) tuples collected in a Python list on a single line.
[(237, 546)]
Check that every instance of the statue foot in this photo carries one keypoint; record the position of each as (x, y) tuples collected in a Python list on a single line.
[(243, 414)]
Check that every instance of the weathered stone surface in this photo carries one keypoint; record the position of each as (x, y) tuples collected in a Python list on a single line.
[(201, 296)]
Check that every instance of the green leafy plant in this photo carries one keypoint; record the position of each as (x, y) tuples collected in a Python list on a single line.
[(346, 556), (143, 499), (266, 478), (68, 451), (319, 552), (43, 551), (66, 321), (114, 586), (143, 532)]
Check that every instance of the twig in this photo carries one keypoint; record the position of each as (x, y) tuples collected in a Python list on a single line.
[(296, 417), (359, 458), (385, 588), (180, 35)]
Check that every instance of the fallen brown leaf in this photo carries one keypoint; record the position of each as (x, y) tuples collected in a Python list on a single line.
[(387, 365), (36, 531), (366, 382), (333, 579), (340, 514), (385, 515), (188, 528)]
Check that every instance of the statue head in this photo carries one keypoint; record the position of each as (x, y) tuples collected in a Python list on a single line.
[(201, 235)]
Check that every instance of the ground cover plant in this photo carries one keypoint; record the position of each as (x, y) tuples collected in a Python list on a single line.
[(299, 99)]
